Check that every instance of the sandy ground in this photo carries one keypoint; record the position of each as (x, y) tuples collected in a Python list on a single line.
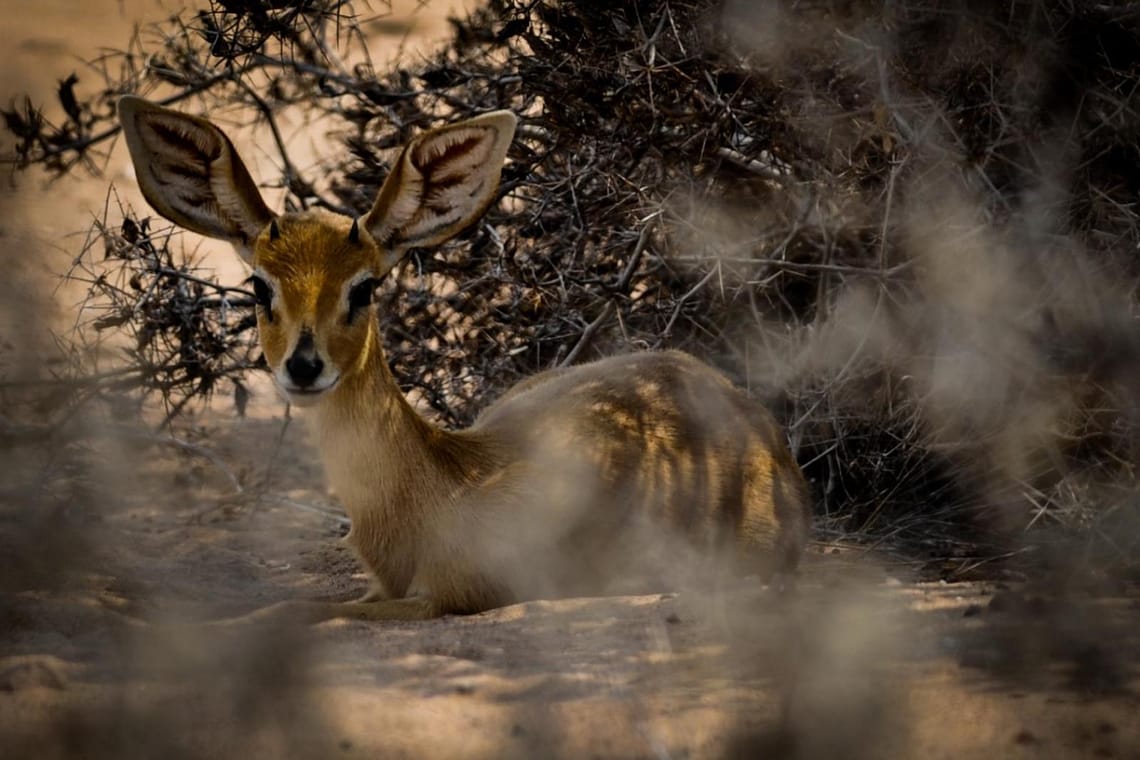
[(860, 662), (112, 551)]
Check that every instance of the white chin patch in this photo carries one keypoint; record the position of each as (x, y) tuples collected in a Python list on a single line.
[(302, 398)]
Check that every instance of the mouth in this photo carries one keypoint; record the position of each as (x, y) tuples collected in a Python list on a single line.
[(306, 396)]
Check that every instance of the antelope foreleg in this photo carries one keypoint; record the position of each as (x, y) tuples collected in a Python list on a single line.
[(302, 612)]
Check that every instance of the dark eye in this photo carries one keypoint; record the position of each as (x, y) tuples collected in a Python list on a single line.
[(262, 294), (360, 297)]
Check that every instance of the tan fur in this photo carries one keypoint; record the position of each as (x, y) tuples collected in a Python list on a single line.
[(598, 478)]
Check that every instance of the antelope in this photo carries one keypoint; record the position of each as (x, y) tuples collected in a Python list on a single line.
[(585, 480)]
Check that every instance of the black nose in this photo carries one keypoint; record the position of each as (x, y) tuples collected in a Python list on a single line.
[(303, 370), (304, 366)]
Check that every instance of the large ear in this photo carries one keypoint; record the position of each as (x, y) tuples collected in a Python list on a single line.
[(190, 173), (441, 183)]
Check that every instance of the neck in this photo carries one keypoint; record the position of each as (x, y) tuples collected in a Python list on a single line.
[(382, 458)]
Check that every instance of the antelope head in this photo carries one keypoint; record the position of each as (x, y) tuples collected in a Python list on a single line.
[(314, 272)]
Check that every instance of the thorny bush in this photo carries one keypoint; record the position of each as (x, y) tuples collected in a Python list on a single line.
[(909, 227)]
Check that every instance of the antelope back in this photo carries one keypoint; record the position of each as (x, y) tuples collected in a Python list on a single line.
[(314, 272)]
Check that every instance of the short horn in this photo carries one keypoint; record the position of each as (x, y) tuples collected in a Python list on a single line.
[(354, 232)]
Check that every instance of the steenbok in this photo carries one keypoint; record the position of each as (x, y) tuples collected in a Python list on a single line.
[(612, 476)]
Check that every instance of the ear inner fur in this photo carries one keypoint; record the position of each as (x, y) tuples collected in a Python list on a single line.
[(189, 171), (441, 183)]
